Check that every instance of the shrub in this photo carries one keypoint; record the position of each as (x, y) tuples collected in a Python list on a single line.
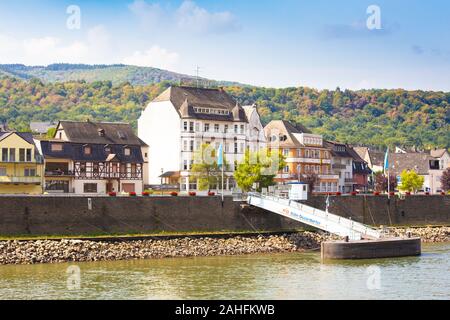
[(112, 194), (174, 194)]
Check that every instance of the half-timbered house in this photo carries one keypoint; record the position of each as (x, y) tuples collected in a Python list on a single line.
[(94, 158)]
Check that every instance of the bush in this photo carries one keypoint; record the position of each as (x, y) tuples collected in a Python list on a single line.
[(174, 194), (112, 194)]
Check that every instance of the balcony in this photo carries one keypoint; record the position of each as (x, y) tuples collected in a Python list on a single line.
[(338, 166), (329, 176), (9, 179), (59, 173)]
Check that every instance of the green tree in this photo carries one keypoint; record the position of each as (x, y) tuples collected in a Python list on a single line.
[(260, 168), (51, 133), (411, 181), (205, 168)]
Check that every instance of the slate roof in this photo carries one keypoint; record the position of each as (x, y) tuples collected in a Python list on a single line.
[(41, 127), (75, 151), (88, 132), (419, 162), (185, 99), (27, 136), (332, 146), (288, 129), (359, 165)]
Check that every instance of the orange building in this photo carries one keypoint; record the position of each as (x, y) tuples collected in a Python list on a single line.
[(304, 152)]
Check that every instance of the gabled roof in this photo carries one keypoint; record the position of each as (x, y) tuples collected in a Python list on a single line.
[(377, 158), (419, 162), (75, 151), (88, 132), (334, 149), (287, 129), (185, 99), (27, 136), (438, 153)]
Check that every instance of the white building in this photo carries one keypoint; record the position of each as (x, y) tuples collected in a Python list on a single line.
[(342, 165), (94, 158), (178, 122)]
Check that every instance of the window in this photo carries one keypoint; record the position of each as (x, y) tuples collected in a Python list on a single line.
[(206, 127), (325, 155), (191, 145), (235, 147), (285, 152), (108, 150), (90, 188), (184, 145), (225, 129), (197, 127), (87, 150), (12, 155), (22, 155), (191, 126), (197, 145), (30, 172), (216, 128), (236, 128), (242, 129), (127, 151), (185, 165), (56, 147), (241, 149), (2, 171), (299, 153), (286, 169), (4, 154), (185, 126), (28, 155)]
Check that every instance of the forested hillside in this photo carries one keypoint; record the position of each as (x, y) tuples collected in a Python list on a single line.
[(369, 117), (117, 74)]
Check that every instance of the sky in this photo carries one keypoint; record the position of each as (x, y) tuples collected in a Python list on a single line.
[(351, 44)]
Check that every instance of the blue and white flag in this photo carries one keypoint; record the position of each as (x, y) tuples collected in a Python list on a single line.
[(220, 156), (386, 161)]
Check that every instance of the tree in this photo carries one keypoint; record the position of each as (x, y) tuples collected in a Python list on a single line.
[(260, 168), (411, 181), (205, 168), (310, 179), (381, 182), (445, 180), (51, 133)]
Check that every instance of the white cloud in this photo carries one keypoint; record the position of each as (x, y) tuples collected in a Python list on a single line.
[(149, 14), (154, 57), (46, 50), (194, 18), (187, 17)]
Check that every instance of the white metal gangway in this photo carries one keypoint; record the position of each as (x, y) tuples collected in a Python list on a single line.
[(314, 217)]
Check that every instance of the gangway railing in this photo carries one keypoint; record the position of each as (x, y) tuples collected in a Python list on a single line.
[(314, 217)]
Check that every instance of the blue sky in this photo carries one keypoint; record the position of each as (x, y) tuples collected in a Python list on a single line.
[(275, 43)]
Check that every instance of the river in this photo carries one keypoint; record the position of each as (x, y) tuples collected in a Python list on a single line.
[(278, 276)]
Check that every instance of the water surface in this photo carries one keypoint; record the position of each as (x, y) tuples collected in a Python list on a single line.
[(279, 276)]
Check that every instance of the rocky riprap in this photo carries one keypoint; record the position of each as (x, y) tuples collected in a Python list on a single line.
[(57, 251), (53, 251), (427, 234)]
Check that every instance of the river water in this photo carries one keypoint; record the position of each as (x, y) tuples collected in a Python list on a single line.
[(279, 276)]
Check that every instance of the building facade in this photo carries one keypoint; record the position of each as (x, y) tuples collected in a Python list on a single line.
[(305, 154), (94, 158), (178, 122), (21, 164), (342, 166)]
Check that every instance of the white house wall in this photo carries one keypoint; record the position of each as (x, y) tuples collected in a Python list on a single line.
[(159, 128)]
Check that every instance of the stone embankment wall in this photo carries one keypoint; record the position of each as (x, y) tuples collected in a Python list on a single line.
[(21, 216)]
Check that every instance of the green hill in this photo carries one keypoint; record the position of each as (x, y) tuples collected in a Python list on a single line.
[(117, 74), (368, 117)]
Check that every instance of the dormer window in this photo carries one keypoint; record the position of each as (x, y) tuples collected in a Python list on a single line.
[(101, 132), (108, 149), (127, 151), (87, 150)]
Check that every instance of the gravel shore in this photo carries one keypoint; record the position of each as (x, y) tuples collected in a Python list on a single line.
[(53, 251)]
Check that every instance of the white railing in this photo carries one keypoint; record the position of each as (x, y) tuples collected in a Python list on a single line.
[(314, 217)]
